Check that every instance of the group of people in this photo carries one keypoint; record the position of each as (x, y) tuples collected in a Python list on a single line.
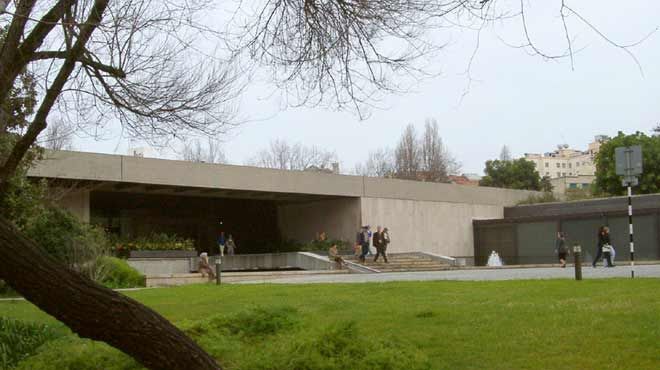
[(226, 245), (604, 250), (380, 240)]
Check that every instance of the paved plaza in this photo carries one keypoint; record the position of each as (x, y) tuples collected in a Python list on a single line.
[(620, 271)]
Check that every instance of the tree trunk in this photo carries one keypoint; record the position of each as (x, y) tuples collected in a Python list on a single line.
[(93, 311)]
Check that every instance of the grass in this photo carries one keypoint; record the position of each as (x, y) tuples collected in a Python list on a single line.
[(553, 324)]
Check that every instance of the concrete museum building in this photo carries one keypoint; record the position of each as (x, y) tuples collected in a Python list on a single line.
[(134, 196)]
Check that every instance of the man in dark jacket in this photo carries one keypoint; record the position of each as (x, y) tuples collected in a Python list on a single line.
[(379, 244)]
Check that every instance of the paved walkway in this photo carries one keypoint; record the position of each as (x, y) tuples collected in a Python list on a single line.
[(475, 274)]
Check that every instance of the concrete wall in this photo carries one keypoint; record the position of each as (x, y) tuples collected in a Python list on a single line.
[(115, 168), (339, 218), (77, 202), (160, 266), (136, 170), (434, 192), (265, 261), (271, 261), (437, 227)]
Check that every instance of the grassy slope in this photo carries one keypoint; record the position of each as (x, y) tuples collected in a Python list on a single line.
[(558, 324)]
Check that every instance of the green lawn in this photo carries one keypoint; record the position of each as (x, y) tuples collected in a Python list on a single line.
[(554, 324)]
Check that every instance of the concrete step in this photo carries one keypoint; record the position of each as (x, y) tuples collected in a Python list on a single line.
[(438, 268), (230, 277), (404, 263)]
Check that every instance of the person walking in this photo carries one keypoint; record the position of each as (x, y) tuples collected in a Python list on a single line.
[(222, 242), (604, 246), (370, 237), (364, 243), (379, 244), (561, 248), (231, 246)]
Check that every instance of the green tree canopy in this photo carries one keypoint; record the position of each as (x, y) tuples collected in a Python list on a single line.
[(609, 183), (514, 174)]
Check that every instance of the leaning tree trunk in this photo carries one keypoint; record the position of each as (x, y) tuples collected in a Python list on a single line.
[(93, 311)]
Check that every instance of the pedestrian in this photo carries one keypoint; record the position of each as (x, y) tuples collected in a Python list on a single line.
[(222, 243), (561, 248), (370, 237), (604, 246), (612, 254), (231, 246), (204, 267), (379, 244), (364, 243), (386, 236)]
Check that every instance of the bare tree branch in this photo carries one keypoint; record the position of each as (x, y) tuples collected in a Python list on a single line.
[(285, 156)]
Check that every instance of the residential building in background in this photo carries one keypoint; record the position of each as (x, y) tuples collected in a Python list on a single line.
[(564, 185), (469, 179), (567, 168)]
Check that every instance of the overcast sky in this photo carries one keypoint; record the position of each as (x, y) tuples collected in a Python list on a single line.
[(522, 101)]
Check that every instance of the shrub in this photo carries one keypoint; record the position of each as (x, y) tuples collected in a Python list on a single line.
[(118, 274), (19, 340), (324, 245), (6, 290), (122, 247), (255, 322), (73, 353), (546, 197), (79, 246), (340, 346)]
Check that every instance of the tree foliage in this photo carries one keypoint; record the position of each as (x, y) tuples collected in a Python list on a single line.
[(609, 183), (515, 174)]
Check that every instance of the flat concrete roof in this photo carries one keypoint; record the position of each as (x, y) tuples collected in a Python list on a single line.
[(137, 174)]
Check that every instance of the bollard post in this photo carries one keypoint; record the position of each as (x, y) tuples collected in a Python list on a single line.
[(577, 253), (218, 270)]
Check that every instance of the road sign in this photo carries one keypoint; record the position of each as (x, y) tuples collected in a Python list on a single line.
[(628, 160), (629, 165), (630, 181)]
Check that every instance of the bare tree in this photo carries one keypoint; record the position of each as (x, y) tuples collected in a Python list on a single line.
[(59, 136), (285, 156), (437, 162), (131, 60), (380, 163), (194, 151), (407, 155), (505, 154), (425, 159)]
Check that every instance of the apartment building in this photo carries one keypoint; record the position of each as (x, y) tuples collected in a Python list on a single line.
[(567, 162)]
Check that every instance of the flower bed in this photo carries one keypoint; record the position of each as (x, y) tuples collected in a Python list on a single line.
[(122, 247)]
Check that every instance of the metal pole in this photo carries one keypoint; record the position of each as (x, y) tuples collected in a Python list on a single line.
[(577, 252), (632, 240), (218, 270)]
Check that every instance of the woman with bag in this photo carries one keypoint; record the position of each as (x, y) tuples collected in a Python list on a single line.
[(604, 246)]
